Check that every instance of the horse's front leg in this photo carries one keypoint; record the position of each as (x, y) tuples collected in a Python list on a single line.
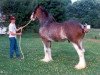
[(47, 51)]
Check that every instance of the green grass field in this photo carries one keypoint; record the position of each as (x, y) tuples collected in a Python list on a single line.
[(64, 56)]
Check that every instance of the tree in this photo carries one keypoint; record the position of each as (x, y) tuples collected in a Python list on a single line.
[(87, 11)]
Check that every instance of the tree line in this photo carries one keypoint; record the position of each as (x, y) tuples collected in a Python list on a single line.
[(86, 11)]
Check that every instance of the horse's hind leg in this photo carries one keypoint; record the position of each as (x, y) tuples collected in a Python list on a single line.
[(80, 43), (82, 63), (47, 51)]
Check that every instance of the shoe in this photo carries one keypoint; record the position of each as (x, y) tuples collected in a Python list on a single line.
[(11, 57), (19, 58)]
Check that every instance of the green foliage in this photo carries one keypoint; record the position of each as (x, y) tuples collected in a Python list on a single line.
[(56, 7), (23, 9), (87, 11), (19, 8)]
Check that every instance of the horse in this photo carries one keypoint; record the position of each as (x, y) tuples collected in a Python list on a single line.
[(50, 30)]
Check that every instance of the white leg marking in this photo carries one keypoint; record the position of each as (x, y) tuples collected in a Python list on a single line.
[(82, 46), (47, 56), (82, 63)]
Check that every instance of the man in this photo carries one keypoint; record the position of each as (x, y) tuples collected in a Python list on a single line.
[(12, 37)]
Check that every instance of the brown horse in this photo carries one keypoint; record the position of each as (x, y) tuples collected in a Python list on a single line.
[(50, 30)]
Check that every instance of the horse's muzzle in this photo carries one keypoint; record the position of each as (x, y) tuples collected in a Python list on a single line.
[(32, 18)]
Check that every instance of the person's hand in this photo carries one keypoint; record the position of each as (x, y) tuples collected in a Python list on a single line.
[(19, 33), (20, 28)]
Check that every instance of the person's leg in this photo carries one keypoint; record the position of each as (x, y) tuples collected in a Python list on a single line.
[(11, 47), (16, 49)]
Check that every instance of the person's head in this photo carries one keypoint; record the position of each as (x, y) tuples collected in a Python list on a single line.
[(12, 19)]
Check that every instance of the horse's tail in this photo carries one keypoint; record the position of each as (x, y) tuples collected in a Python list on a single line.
[(86, 28)]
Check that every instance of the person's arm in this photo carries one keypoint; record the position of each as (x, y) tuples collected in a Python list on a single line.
[(12, 33), (18, 29)]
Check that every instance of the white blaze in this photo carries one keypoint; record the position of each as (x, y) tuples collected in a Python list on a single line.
[(32, 17)]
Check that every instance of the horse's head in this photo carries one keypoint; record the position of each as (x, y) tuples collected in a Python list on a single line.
[(39, 12)]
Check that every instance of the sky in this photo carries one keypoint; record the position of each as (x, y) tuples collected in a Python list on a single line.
[(73, 1)]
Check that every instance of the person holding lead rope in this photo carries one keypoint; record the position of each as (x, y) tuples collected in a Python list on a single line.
[(13, 32)]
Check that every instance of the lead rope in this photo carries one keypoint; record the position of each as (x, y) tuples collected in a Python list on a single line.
[(21, 38)]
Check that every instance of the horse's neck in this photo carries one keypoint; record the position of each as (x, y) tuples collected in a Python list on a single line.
[(44, 21)]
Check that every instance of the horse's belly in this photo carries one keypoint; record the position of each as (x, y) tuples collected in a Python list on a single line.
[(58, 37), (55, 34), (58, 34)]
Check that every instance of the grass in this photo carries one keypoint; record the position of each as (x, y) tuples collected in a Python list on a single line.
[(64, 56)]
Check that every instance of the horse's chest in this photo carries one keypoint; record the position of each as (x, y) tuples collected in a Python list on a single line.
[(44, 33)]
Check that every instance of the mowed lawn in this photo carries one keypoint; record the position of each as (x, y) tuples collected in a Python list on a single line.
[(63, 53)]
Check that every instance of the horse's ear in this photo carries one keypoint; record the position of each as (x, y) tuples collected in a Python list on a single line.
[(40, 5), (37, 6)]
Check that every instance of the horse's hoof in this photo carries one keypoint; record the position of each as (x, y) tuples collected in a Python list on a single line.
[(46, 60), (79, 66)]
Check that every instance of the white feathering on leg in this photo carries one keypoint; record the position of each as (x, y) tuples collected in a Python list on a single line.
[(47, 56), (82, 63)]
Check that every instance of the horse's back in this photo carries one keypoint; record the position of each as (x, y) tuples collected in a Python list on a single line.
[(73, 23)]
